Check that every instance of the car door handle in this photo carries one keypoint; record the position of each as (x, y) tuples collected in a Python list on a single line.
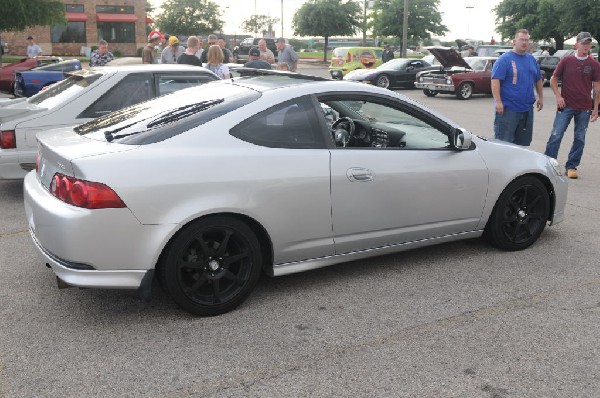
[(360, 174)]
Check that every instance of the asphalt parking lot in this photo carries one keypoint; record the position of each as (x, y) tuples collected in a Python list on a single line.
[(456, 320)]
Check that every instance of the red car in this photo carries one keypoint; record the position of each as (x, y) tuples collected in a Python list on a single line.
[(462, 77), (7, 73)]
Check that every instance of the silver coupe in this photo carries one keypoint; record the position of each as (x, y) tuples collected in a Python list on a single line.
[(278, 173)]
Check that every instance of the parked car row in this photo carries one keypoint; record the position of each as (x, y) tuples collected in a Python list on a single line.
[(7, 73), (85, 95), (30, 82)]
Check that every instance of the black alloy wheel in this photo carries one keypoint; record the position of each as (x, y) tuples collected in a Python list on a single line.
[(520, 215), (212, 265)]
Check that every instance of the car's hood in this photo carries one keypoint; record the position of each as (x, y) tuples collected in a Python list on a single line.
[(359, 73), (448, 57)]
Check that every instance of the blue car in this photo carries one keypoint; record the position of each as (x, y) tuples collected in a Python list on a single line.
[(30, 82)]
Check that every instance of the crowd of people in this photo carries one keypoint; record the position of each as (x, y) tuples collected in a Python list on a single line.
[(166, 49)]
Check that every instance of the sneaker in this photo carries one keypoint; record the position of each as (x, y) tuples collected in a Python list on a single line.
[(572, 173)]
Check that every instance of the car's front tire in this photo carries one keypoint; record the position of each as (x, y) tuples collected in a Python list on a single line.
[(383, 81), (520, 215), (465, 91), (211, 266), (430, 93)]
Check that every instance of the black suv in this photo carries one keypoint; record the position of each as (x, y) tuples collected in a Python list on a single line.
[(240, 52)]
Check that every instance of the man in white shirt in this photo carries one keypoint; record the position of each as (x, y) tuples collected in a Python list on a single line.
[(33, 50)]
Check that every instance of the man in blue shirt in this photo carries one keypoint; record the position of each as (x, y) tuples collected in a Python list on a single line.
[(514, 76)]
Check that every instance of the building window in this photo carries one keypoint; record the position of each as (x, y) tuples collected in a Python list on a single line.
[(114, 9), (75, 8), (116, 32), (72, 32)]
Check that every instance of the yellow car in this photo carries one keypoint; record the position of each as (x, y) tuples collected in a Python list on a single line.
[(347, 59)]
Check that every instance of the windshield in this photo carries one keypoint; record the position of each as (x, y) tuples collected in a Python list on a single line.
[(58, 93), (476, 64), (393, 64)]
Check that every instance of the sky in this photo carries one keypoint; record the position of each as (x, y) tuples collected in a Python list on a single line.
[(462, 21)]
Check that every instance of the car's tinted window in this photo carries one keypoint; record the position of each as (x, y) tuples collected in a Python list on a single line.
[(131, 90), (292, 124), (58, 93), (170, 84), (168, 115)]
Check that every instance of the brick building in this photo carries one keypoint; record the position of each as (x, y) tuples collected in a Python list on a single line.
[(122, 23)]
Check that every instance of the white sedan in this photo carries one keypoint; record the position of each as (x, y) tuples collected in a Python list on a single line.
[(278, 173), (85, 95)]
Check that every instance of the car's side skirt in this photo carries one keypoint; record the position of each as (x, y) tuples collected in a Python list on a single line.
[(305, 265)]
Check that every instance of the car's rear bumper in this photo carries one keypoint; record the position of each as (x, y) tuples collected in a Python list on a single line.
[(10, 169), (80, 246), (447, 88)]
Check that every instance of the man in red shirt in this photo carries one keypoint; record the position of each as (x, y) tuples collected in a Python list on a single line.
[(579, 73)]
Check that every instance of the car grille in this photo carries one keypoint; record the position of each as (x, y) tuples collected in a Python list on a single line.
[(433, 79)]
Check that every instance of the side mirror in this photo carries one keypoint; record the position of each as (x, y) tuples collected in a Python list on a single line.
[(461, 139)]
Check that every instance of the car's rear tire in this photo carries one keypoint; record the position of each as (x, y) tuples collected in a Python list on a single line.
[(520, 215), (211, 266), (383, 81), (430, 93), (465, 91)]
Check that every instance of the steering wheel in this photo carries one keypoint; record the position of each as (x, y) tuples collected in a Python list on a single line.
[(342, 129)]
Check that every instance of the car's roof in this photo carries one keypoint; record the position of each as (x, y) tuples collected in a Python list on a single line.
[(151, 68)]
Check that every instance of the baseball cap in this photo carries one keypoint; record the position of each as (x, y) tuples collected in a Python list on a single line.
[(173, 41), (155, 34), (254, 51), (582, 37)]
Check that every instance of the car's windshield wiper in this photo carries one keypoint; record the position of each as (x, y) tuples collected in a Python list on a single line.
[(183, 112), (109, 134)]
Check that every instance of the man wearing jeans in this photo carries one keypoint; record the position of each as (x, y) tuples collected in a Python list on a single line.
[(514, 76), (579, 74)]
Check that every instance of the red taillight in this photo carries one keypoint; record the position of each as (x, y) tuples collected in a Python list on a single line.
[(86, 194), (7, 139), (37, 162)]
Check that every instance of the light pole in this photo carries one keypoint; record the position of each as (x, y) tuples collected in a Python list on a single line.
[(404, 30), (282, 19), (469, 20)]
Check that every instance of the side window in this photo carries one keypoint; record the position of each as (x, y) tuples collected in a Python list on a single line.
[(131, 90), (293, 124), (170, 84), (378, 124)]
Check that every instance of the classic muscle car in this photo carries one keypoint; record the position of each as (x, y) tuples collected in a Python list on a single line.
[(462, 77), (30, 82)]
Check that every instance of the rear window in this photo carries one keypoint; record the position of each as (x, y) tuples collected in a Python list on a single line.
[(143, 124), (340, 52), (58, 93)]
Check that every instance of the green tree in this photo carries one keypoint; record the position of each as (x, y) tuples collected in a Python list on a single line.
[(258, 23), (190, 17), (327, 18), (540, 17), (423, 19), (580, 16), (19, 15)]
